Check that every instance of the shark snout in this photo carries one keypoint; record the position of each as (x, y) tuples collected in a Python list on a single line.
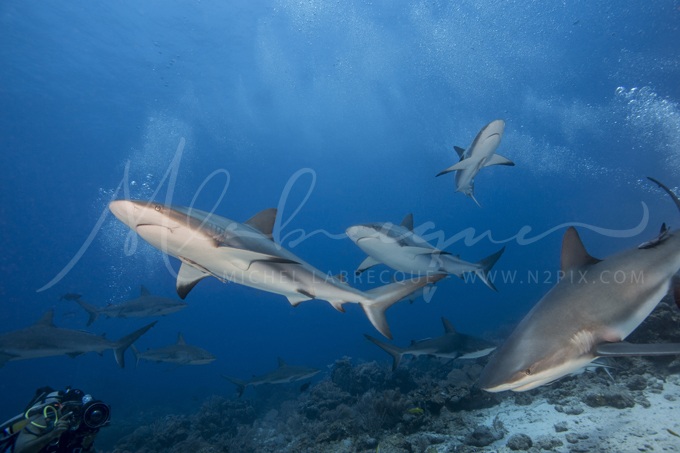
[(124, 210), (358, 232), (135, 213)]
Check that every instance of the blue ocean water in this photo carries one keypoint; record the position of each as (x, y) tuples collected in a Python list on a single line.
[(338, 113)]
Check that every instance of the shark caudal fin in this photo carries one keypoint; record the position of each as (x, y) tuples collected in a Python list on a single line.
[(90, 309), (240, 385), (485, 266), (135, 352), (380, 299), (125, 342), (667, 190), (394, 351)]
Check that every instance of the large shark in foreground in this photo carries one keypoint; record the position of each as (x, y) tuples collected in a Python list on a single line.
[(145, 305), (245, 253), (179, 353), (43, 339), (283, 374), (480, 154), (451, 345), (400, 248), (588, 314)]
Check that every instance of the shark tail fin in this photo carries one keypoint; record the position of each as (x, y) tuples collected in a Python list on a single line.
[(485, 266), (676, 200), (240, 385), (125, 342), (135, 352), (90, 309), (394, 351), (381, 298)]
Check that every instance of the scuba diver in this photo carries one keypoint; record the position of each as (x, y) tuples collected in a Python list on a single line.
[(55, 422)]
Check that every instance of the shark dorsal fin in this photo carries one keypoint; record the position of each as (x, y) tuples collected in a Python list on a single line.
[(180, 339), (143, 291), (574, 254), (263, 221), (282, 363), (408, 222), (448, 327), (460, 151), (47, 319)]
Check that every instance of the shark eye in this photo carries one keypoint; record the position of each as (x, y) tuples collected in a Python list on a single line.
[(157, 208), (527, 371)]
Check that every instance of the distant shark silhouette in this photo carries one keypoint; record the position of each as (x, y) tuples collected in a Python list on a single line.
[(43, 339), (283, 374), (588, 313), (451, 345), (208, 244), (144, 305), (400, 248), (478, 155), (179, 353)]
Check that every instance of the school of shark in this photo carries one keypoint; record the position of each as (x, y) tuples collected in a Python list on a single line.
[(583, 318)]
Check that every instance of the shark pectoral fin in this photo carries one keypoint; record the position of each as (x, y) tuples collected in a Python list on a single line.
[(625, 349), (299, 297), (263, 221), (460, 151), (73, 355), (465, 163), (497, 159), (366, 264), (243, 259), (187, 277)]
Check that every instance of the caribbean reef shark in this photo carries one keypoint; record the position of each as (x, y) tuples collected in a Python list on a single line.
[(283, 374), (245, 253), (179, 353), (400, 248), (144, 305), (451, 345), (43, 339), (588, 313), (478, 155)]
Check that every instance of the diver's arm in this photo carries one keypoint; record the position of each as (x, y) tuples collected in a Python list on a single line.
[(32, 439)]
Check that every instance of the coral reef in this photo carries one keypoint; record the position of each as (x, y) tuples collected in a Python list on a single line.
[(428, 406)]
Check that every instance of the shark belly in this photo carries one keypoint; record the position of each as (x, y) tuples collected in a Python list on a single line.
[(393, 255)]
